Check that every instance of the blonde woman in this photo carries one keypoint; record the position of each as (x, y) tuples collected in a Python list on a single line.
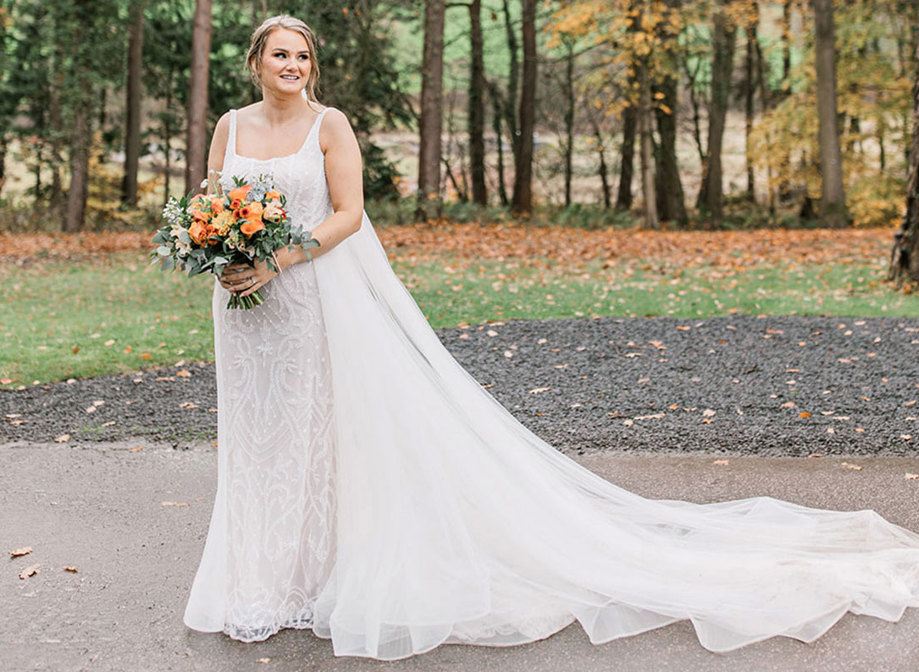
[(371, 491)]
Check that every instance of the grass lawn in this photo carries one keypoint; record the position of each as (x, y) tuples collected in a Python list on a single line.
[(114, 314)]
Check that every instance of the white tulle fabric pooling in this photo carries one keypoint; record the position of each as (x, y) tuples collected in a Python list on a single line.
[(369, 489)]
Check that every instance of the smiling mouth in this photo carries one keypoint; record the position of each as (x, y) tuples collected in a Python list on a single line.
[(292, 78)]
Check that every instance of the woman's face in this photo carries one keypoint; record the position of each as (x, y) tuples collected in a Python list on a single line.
[(285, 62)]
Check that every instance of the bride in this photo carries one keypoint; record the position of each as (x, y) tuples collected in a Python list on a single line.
[(370, 490)]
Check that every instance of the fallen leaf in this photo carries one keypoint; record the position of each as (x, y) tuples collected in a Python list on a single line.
[(651, 417), (136, 449), (108, 424), (721, 463), (188, 404), (25, 550), (75, 350), (63, 438), (263, 660), (537, 390), (853, 467), (128, 349), (173, 503), (109, 342), (31, 570), (788, 404), (683, 328), (804, 414), (73, 570), (708, 413), (628, 423), (815, 455), (146, 355), (830, 430)]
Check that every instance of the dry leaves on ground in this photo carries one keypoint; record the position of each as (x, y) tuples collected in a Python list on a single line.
[(496, 241)]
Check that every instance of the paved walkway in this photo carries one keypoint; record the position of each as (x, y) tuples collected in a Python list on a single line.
[(132, 523)]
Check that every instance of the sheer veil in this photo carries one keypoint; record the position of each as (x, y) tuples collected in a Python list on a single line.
[(457, 524)]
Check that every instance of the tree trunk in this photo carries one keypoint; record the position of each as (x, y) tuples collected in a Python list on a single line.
[(904, 258), (627, 154), (55, 116), (749, 72), (3, 144), (522, 200), (604, 171), (497, 114), (833, 211), (513, 82), (81, 128), (75, 212), (569, 117), (785, 186), (647, 151), (670, 198), (711, 195), (132, 105), (196, 143), (477, 106), (431, 125)]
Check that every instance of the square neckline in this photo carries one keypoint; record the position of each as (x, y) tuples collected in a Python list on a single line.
[(231, 143)]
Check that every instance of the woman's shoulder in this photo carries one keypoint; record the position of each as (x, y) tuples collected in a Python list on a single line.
[(335, 125)]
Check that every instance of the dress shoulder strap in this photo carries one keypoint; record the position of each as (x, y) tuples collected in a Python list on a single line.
[(231, 141), (314, 131)]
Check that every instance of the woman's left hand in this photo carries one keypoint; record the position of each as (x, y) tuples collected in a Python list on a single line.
[(243, 280)]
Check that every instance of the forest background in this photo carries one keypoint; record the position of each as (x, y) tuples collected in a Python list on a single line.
[(523, 158)]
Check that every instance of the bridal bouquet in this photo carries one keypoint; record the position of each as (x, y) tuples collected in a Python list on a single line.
[(207, 232)]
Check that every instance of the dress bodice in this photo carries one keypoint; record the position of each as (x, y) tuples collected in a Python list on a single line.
[(299, 176)]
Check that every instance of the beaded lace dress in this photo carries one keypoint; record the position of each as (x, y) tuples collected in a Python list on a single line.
[(370, 490)]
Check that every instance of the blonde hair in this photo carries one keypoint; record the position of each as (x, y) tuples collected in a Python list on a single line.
[(260, 38)]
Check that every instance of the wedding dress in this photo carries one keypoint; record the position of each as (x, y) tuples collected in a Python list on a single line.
[(369, 489)]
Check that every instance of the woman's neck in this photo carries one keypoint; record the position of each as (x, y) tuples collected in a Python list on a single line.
[(279, 110)]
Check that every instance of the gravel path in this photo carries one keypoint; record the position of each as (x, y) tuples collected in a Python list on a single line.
[(740, 385)]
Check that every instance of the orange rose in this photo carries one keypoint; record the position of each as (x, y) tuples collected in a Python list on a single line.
[(252, 226), (216, 205), (273, 194), (198, 232), (201, 215), (251, 210), (239, 192), (212, 235)]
